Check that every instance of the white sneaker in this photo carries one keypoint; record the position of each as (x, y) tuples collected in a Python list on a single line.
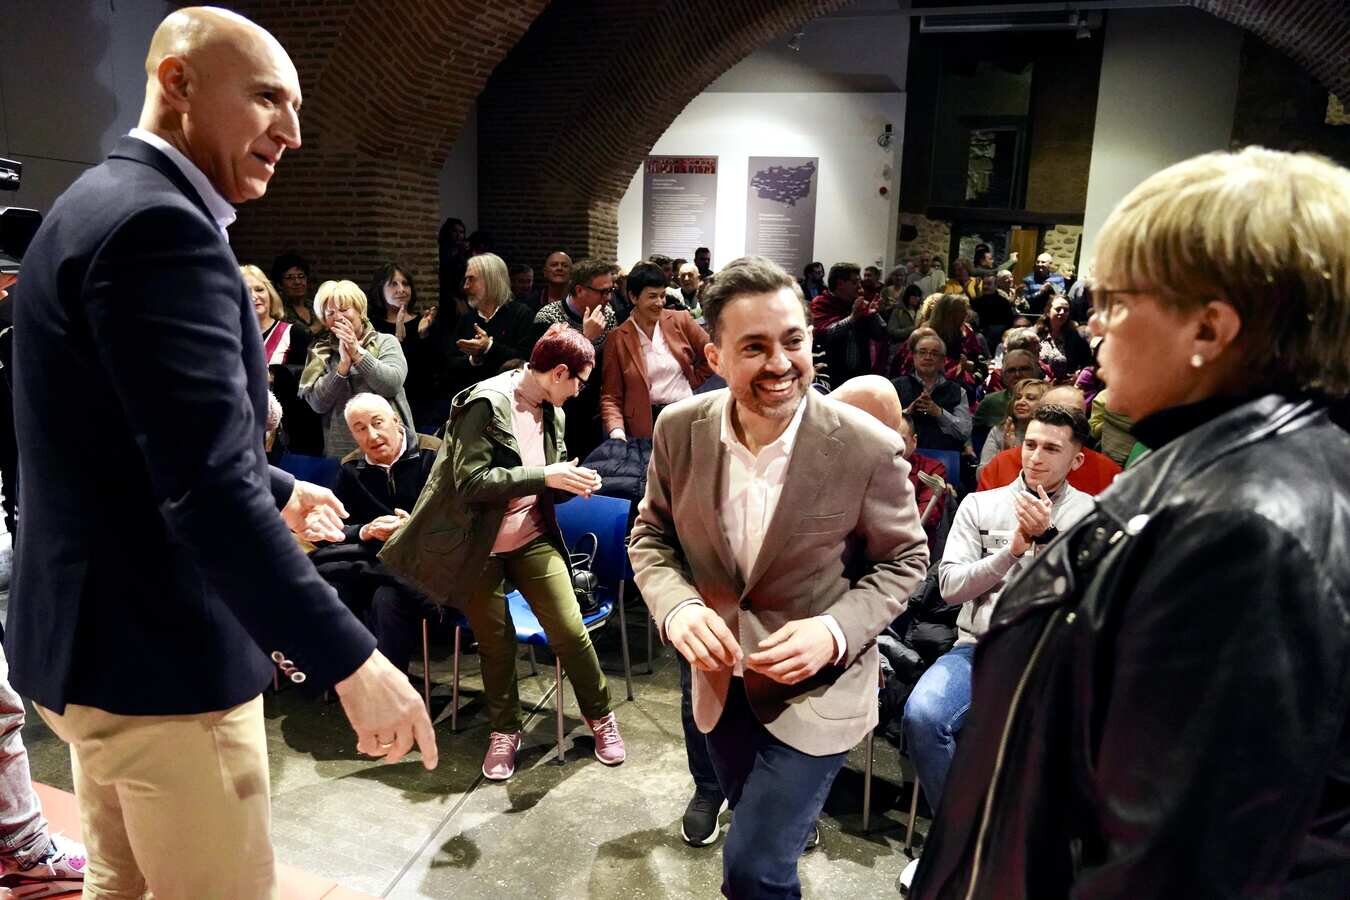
[(907, 876), (61, 872)]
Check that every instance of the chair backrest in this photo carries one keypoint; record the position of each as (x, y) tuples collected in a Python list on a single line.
[(949, 459), (320, 470), (607, 518)]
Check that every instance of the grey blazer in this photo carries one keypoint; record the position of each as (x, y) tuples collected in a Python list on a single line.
[(845, 539)]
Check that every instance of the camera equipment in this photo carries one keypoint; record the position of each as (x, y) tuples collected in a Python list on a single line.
[(17, 225)]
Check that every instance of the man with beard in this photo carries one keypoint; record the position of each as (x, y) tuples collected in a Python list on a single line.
[(772, 587)]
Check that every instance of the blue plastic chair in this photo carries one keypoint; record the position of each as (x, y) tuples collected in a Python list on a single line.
[(607, 519), (950, 459), (320, 470)]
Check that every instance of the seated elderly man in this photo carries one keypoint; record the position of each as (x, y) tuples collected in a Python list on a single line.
[(378, 483), (875, 395), (995, 535)]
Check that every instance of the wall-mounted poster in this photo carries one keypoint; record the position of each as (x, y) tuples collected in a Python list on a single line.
[(780, 210), (679, 205)]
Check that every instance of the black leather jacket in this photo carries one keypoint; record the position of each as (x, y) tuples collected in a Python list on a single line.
[(1160, 703)]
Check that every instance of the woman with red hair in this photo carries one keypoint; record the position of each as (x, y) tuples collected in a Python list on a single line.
[(486, 515)]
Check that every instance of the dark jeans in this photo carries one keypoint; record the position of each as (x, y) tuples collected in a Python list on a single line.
[(393, 615), (695, 741), (776, 793)]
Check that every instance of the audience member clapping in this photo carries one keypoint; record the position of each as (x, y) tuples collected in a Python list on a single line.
[(349, 359), (941, 414), (1025, 394), (1092, 477), (495, 331)]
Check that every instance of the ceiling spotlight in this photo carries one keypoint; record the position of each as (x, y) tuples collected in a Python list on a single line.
[(795, 44), (1083, 32)]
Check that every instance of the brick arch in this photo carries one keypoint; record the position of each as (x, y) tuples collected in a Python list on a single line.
[(1313, 33), (571, 113), (387, 86)]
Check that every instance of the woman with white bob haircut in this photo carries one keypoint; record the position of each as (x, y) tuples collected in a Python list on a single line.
[(349, 358), (1161, 700)]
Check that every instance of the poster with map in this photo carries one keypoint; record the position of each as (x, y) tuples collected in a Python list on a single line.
[(780, 216), (679, 205)]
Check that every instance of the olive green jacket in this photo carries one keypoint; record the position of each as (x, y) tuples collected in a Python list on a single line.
[(445, 544)]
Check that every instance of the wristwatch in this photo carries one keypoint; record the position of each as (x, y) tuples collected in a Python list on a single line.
[(1046, 536)]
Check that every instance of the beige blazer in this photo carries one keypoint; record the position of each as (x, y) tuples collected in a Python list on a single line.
[(845, 539)]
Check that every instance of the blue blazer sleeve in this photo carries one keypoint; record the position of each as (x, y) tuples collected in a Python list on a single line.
[(164, 306)]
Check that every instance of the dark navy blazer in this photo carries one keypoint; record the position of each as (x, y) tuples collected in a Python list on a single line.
[(152, 573)]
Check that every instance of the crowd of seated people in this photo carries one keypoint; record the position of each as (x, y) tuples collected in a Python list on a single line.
[(957, 368)]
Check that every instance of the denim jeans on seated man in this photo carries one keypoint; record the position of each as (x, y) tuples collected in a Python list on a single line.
[(771, 817), (934, 714)]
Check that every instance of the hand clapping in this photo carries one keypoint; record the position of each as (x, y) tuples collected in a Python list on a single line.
[(476, 345), (1033, 518)]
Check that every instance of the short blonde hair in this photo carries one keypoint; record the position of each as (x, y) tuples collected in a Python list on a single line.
[(491, 270), (1262, 230), (342, 294), (275, 309)]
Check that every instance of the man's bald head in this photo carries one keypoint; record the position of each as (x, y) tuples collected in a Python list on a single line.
[(224, 92), (1065, 395), (874, 395)]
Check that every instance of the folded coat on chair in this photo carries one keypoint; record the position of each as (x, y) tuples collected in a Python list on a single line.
[(623, 467)]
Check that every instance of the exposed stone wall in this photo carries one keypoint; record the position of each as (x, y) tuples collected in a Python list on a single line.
[(1062, 242), (934, 236)]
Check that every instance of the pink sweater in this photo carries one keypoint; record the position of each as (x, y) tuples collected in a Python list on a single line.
[(524, 519)]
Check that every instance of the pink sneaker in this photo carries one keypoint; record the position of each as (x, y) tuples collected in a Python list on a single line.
[(608, 745), (500, 762), (60, 872)]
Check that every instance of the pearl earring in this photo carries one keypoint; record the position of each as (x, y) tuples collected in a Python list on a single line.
[(1197, 361)]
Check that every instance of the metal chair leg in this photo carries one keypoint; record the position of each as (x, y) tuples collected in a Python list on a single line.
[(623, 642), (867, 780), (426, 667), (276, 683), (534, 667), (913, 814), (454, 685), (558, 673)]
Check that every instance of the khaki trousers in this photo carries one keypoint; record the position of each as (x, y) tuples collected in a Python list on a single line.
[(176, 805)]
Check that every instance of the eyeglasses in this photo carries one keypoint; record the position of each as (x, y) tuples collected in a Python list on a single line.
[(581, 381), (294, 278), (606, 292), (1104, 300), (929, 353)]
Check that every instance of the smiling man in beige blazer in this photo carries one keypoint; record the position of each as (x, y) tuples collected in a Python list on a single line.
[(777, 538)]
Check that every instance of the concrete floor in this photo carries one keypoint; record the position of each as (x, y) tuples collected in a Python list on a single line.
[(569, 831)]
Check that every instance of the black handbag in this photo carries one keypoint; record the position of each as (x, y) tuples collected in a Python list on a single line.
[(584, 583)]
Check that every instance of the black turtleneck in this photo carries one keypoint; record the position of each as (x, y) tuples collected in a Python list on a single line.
[(1158, 429)]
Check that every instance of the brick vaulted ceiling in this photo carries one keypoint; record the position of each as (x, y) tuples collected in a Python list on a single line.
[(387, 85), (573, 95)]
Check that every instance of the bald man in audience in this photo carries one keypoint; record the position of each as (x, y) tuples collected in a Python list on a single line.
[(876, 396), (1092, 477), (151, 606)]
